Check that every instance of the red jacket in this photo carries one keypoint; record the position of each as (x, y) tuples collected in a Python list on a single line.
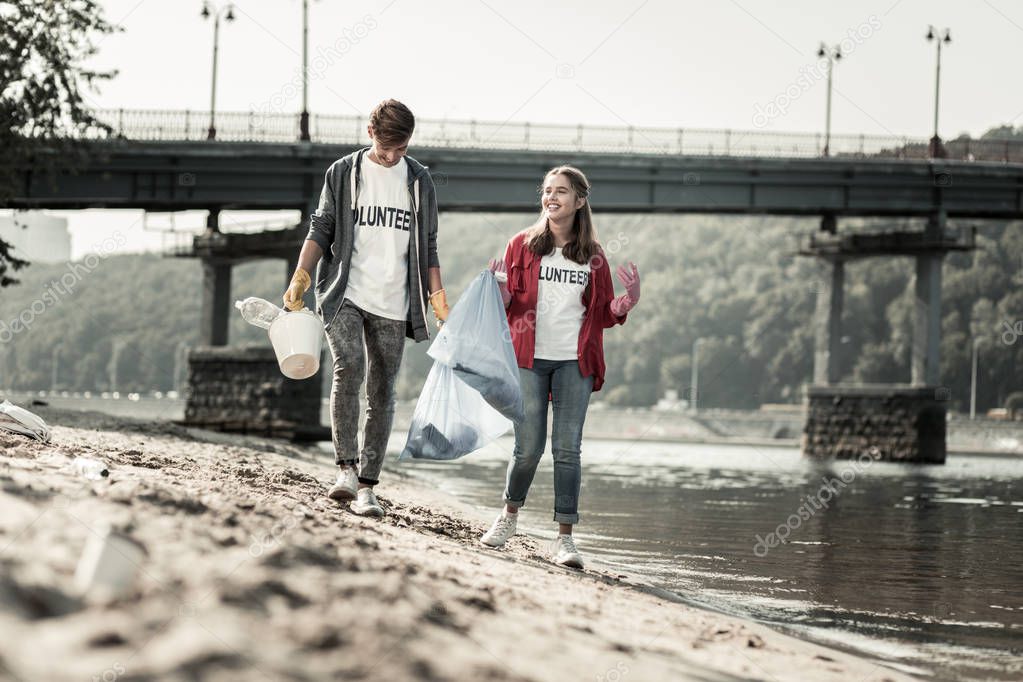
[(524, 282)]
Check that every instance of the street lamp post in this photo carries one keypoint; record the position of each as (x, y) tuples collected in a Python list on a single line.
[(694, 376), (304, 119), (977, 340), (228, 12), (5, 380), (942, 36), (180, 361), (833, 54), (55, 368)]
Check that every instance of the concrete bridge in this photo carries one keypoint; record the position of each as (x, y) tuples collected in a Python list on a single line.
[(161, 161)]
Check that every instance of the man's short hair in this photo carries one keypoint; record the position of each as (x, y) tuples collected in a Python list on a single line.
[(392, 123)]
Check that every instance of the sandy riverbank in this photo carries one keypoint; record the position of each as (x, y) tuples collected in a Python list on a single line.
[(252, 573)]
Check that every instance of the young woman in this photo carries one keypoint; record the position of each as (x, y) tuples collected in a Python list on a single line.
[(559, 298)]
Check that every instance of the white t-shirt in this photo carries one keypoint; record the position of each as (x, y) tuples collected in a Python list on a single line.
[(378, 277), (559, 307)]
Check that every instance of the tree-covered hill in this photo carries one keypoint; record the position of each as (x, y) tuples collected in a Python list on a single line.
[(734, 282)]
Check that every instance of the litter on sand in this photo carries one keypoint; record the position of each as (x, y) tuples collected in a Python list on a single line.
[(19, 420)]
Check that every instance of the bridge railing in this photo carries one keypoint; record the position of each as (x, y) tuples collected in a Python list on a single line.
[(255, 126)]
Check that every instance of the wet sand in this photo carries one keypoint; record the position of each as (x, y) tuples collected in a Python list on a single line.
[(252, 573)]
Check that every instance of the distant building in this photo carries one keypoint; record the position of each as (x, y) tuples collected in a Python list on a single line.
[(37, 237)]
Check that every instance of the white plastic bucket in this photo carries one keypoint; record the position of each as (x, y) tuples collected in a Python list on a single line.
[(297, 338), (109, 565)]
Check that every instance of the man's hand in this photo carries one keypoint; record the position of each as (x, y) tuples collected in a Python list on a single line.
[(300, 283), (439, 301)]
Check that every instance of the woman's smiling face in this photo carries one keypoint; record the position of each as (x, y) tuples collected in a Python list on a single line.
[(558, 199)]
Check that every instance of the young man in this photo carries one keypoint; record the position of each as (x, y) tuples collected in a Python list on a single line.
[(374, 240)]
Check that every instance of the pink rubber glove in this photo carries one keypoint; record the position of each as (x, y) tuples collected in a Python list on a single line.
[(497, 266), (629, 277)]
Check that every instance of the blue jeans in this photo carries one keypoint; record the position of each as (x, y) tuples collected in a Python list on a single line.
[(561, 380)]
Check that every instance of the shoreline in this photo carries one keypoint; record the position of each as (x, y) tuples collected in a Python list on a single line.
[(787, 443), (642, 426), (251, 569)]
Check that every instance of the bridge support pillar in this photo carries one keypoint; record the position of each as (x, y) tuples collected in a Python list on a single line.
[(925, 368), (904, 422), (828, 321), (216, 289), (216, 302), (927, 321)]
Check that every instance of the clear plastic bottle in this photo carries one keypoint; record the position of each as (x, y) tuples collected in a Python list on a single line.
[(258, 311), (92, 469)]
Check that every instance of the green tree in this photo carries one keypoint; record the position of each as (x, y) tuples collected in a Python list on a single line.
[(44, 45)]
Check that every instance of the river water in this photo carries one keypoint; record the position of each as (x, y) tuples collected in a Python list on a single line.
[(917, 566)]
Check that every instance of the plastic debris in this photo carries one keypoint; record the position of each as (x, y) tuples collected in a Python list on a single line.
[(258, 312), (19, 420), (92, 469)]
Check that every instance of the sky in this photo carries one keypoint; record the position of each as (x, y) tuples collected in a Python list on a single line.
[(740, 64)]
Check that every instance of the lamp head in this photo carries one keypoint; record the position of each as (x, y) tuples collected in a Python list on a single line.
[(930, 33)]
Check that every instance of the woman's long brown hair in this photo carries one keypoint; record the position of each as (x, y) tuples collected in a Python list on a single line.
[(583, 244)]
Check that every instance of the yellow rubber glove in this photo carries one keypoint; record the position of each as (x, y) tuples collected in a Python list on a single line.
[(439, 301), (300, 282)]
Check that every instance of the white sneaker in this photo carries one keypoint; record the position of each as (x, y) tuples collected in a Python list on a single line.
[(346, 485), (503, 528), (565, 552), (366, 503)]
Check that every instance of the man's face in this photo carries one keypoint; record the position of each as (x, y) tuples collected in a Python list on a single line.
[(386, 155)]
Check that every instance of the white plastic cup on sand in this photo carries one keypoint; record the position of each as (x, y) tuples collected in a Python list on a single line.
[(297, 338), (109, 565)]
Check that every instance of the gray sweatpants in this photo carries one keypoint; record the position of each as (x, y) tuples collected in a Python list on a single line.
[(384, 344)]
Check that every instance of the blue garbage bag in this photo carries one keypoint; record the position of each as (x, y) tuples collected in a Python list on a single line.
[(472, 392)]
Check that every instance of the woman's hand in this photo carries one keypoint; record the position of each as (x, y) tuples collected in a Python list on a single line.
[(497, 266), (629, 277)]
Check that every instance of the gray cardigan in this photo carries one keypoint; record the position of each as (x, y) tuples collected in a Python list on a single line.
[(332, 226)]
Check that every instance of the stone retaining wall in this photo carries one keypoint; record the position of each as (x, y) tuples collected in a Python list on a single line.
[(894, 423), (241, 389)]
